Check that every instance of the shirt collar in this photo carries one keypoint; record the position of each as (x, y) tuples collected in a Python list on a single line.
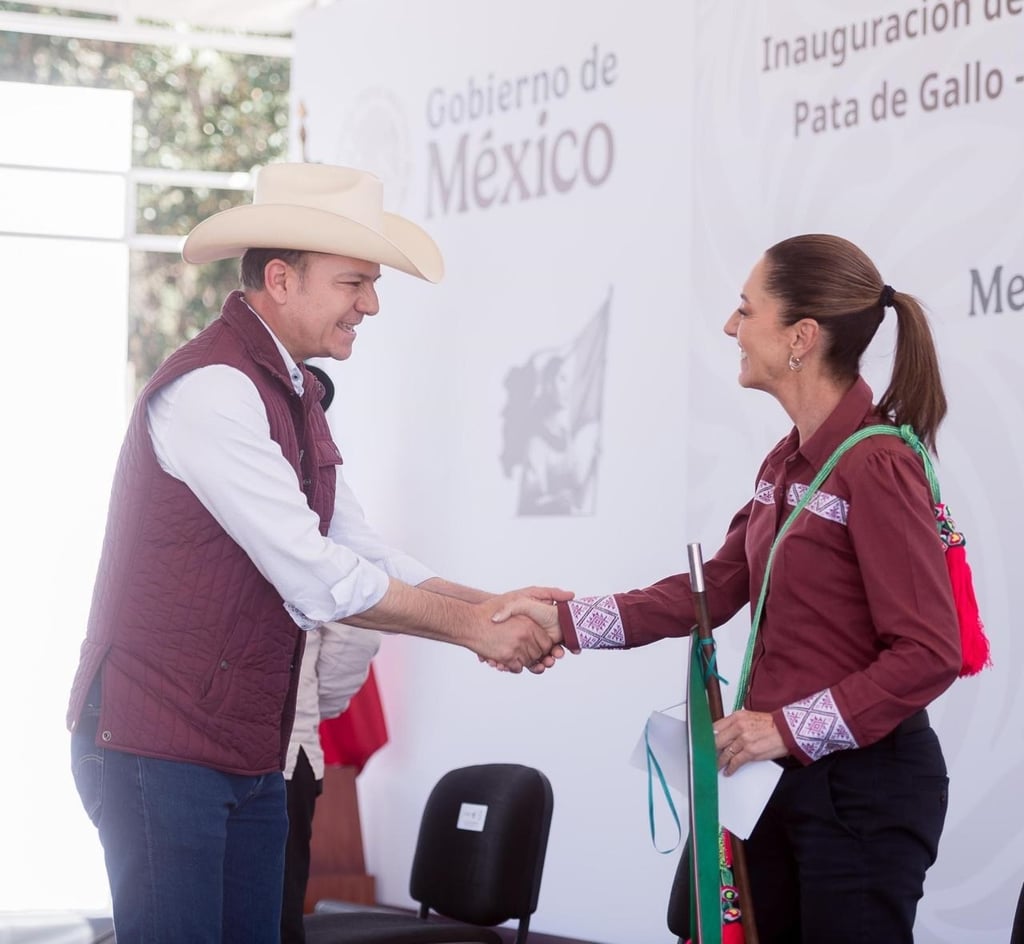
[(294, 371), (848, 416)]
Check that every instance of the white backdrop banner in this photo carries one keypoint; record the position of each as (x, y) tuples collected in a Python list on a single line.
[(899, 126), (563, 408)]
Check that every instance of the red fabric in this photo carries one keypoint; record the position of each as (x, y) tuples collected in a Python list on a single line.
[(976, 655), (352, 738)]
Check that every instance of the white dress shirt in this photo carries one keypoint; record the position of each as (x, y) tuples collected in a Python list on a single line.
[(334, 667), (210, 430)]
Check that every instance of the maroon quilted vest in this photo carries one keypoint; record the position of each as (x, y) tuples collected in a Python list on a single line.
[(198, 658)]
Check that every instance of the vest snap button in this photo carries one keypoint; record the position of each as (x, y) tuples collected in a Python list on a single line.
[(224, 664), (106, 735)]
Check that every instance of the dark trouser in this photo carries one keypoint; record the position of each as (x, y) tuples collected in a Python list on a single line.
[(841, 850), (303, 789)]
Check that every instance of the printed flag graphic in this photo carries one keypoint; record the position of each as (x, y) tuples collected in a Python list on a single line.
[(552, 431)]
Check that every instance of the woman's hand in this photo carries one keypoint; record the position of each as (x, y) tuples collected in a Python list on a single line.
[(746, 736)]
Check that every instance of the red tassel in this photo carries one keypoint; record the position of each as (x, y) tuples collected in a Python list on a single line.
[(733, 934), (973, 641)]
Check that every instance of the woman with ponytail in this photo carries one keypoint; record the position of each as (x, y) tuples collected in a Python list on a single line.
[(857, 631)]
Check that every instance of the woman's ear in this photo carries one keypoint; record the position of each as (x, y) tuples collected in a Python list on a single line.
[(806, 337)]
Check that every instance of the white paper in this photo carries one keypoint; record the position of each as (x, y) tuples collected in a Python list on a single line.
[(667, 737), (741, 797)]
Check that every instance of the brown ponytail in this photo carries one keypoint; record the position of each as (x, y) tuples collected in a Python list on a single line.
[(829, 279), (915, 393)]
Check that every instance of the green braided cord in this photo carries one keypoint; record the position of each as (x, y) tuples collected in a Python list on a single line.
[(907, 434)]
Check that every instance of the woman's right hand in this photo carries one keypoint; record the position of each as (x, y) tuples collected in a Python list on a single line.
[(543, 612)]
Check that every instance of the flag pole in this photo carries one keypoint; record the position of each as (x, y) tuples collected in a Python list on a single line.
[(714, 693)]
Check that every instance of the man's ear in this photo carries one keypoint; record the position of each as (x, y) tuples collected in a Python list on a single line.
[(276, 275)]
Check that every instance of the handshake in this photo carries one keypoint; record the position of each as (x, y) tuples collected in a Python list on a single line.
[(511, 631), (529, 636)]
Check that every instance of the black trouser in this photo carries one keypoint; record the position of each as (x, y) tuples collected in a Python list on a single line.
[(303, 789), (840, 853)]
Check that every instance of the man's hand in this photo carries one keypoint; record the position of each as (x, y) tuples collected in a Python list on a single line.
[(520, 642)]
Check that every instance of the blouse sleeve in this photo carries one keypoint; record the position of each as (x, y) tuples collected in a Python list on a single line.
[(901, 560)]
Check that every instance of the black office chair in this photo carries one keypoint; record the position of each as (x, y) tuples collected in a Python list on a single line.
[(1017, 931), (478, 863), (678, 917)]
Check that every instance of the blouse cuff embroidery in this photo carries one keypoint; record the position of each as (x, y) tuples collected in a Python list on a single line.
[(817, 726), (597, 622)]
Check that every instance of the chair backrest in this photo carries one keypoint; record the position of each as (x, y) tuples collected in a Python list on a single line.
[(482, 842), (1017, 931), (678, 916)]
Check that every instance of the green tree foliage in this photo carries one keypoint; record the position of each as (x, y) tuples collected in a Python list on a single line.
[(195, 109)]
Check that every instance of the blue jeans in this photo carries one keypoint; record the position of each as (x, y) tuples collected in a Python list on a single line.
[(193, 855)]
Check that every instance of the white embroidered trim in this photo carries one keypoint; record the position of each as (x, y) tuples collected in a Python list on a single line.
[(822, 504), (598, 623), (817, 726)]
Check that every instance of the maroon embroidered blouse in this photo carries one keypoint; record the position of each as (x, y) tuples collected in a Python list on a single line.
[(859, 629)]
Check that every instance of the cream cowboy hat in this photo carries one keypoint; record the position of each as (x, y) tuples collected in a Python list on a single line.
[(319, 208)]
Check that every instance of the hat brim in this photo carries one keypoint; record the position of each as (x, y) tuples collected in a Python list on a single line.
[(400, 245)]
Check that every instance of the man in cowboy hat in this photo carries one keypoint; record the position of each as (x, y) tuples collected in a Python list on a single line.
[(230, 530)]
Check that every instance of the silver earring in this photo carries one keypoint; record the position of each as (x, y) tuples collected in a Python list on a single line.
[(795, 363)]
